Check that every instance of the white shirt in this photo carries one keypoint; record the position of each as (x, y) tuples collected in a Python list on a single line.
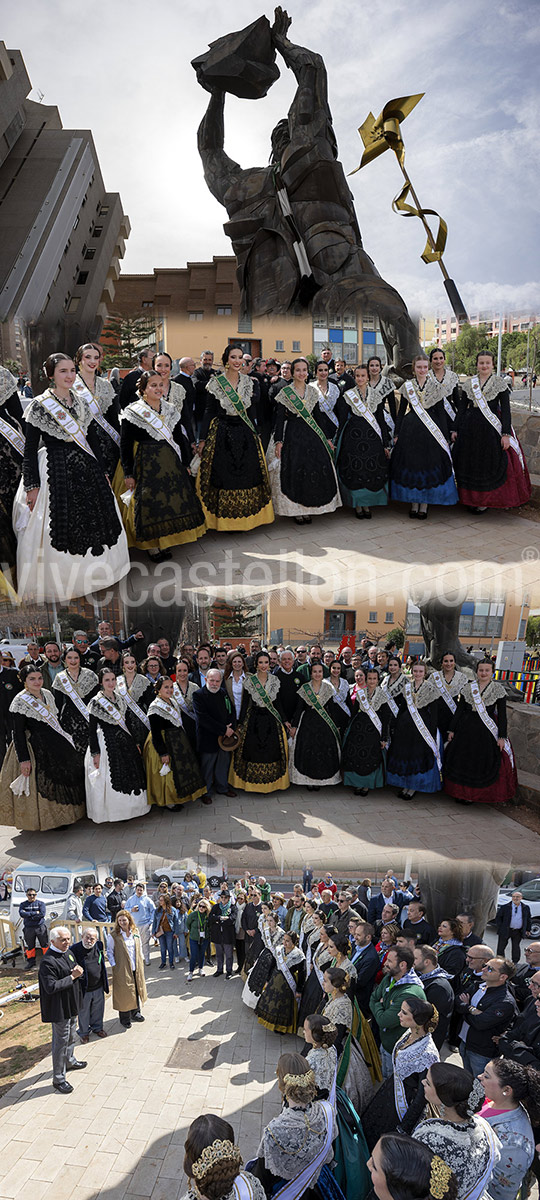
[(237, 689), (130, 947), (516, 920)]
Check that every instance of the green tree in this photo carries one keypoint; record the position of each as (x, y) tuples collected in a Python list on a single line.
[(398, 636), (242, 621), (461, 354), (12, 365), (124, 336), (532, 632)]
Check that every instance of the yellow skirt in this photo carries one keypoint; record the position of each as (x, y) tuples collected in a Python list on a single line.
[(160, 789), (215, 520), (128, 517), (252, 784)]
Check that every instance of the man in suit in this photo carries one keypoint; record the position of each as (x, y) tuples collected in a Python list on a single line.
[(438, 989), (10, 684), (128, 388), (467, 924), (416, 923), (513, 921), (186, 368), (214, 717), (523, 975), (60, 1000), (367, 963), (203, 658), (199, 379), (387, 895)]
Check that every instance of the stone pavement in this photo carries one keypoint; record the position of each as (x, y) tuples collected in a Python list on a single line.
[(484, 556), (279, 833), (122, 1131)]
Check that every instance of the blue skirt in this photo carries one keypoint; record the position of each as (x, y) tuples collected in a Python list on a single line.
[(374, 780), (429, 781), (363, 498), (444, 493)]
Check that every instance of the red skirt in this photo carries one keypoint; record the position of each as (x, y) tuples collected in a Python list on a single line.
[(515, 490), (502, 789)]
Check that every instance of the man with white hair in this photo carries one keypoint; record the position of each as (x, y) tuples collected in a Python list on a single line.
[(289, 682), (94, 983), (60, 999), (215, 717)]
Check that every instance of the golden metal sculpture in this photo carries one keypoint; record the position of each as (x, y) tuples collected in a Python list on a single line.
[(384, 133)]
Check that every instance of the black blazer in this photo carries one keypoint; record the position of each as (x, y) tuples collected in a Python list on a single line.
[(60, 996), (495, 1011), (78, 952), (367, 967), (213, 712), (504, 916), (128, 388)]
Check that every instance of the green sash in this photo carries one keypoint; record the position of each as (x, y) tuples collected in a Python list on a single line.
[(300, 408), (265, 698), (320, 709), (235, 400)]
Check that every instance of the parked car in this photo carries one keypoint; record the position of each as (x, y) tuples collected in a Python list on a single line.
[(531, 895), (53, 885), (175, 872)]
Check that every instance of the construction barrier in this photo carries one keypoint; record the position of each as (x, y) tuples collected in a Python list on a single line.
[(523, 681), (9, 937), (76, 928)]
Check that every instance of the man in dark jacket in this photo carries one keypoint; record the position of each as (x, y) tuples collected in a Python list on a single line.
[(387, 895), (367, 963), (438, 988), (116, 899), (60, 1000), (417, 924), (522, 1041), (513, 921), (467, 924), (128, 388), (200, 378), (95, 906), (221, 931), (346, 911), (523, 975), (90, 956), (33, 913), (487, 1012), (10, 684), (214, 717)]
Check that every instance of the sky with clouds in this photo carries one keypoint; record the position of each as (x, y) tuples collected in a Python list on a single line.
[(122, 68)]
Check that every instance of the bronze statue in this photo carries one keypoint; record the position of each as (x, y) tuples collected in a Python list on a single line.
[(292, 224)]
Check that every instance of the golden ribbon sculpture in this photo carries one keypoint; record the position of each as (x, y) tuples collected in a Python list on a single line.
[(385, 133)]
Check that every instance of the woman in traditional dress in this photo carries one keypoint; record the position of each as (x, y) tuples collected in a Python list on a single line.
[(421, 468), (316, 963), (183, 694), (11, 453), (384, 388), (450, 948), (479, 764), (315, 752), (168, 746), (413, 761), (44, 754), (138, 694), (363, 448), (512, 1108), (450, 382), (174, 393), (366, 739), (463, 1139), (393, 682), (250, 925), (272, 935), (164, 509), (341, 712), (490, 467), (124, 952), (297, 1144), (101, 399), (70, 535), (277, 1007), (402, 1169), (329, 394), (450, 683), (259, 763), (301, 451), (232, 482), (213, 1163), (320, 1034), (309, 929), (115, 780), (354, 1039), (73, 688), (401, 1102)]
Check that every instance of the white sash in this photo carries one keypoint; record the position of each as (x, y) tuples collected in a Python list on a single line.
[(326, 407), (67, 422), (121, 686), (420, 724), (46, 715), (12, 436), (181, 700), (319, 972), (169, 711), (361, 409), (426, 419), (296, 1187), (443, 688), (84, 391), (488, 722), (493, 418), (73, 694), (450, 409), (112, 710), (153, 418), (280, 960), (242, 1188), (366, 706), (390, 702)]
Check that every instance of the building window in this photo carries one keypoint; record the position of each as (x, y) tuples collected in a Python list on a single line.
[(372, 619), (245, 324), (389, 618), (97, 231), (147, 304), (280, 345), (296, 347), (76, 222), (82, 277), (337, 623), (195, 316), (104, 210), (224, 310), (66, 247), (90, 254), (73, 304)]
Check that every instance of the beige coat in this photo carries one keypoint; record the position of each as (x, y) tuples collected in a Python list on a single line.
[(123, 987)]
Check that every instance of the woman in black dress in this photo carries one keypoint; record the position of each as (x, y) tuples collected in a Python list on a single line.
[(491, 471), (316, 963), (421, 468), (138, 693), (315, 739), (413, 761), (277, 1008), (73, 688), (450, 682), (363, 448), (232, 483), (301, 451), (259, 763), (272, 935), (168, 746), (479, 764), (101, 399), (164, 510), (366, 738), (341, 713), (384, 388), (115, 779), (449, 381), (11, 453), (450, 948), (183, 694), (44, 754)]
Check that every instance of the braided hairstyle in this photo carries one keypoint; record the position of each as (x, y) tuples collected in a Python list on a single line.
[(453, 1086), (220, 1176), (407, 1165), (524, 1082), (424, 1013), (289, 1068), (322, 1036), (338, 978)]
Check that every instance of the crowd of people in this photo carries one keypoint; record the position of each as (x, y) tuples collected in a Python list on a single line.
[(95, 466), (379, 997), (95, 730)]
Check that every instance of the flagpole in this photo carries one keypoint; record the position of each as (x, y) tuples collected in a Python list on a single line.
[(450, 287)]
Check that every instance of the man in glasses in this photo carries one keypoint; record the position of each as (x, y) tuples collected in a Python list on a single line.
[(513, 921), (487, 1011), (524, 973), (33, 913), (522, 1041)]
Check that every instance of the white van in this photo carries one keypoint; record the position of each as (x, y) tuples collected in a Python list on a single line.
[(53, 886)]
